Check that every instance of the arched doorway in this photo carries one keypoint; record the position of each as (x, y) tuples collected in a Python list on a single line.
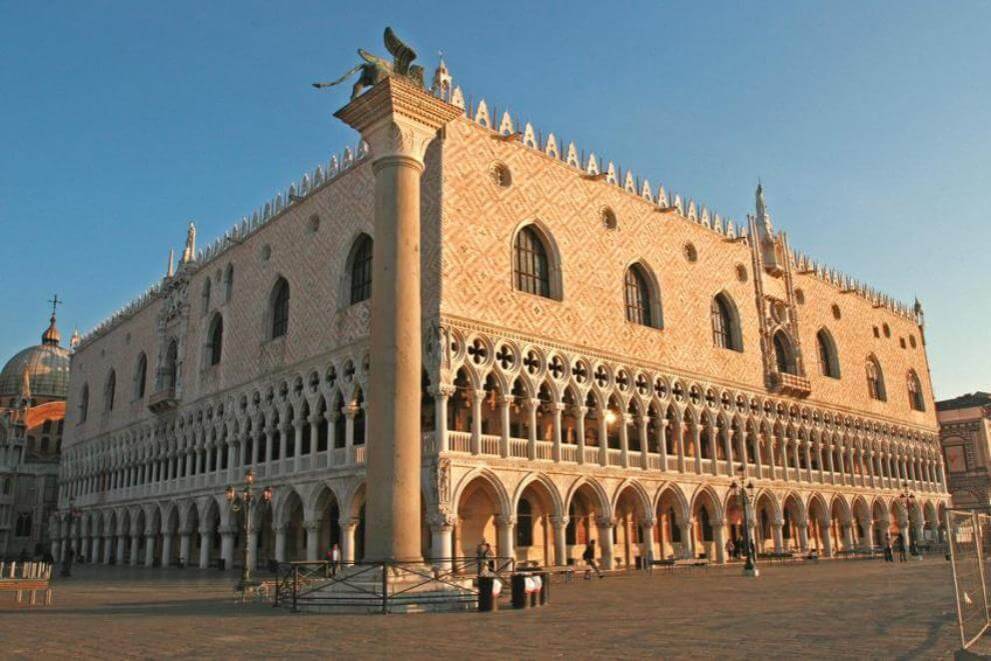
[(628, 537), (707, 537), (671, 531), (534, 528), (585, 515), (479, 507)]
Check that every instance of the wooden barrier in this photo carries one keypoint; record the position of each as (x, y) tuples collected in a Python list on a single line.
[(31, 577)]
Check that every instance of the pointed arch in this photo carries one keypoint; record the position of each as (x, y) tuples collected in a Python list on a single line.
[(829, 361), (214, 347), (914, 387), (279, 309), (536, 261), (110, 391), (140, 375), (784, 353), (875, 379), (544, 482), (726, 333), (358, 270), (642, 296)]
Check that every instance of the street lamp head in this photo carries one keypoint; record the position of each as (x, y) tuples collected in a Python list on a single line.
[(610, 417)]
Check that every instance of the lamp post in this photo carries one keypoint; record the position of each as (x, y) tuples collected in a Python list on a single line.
[(908, 502), (247, 501), (72, 514), (746, 495)]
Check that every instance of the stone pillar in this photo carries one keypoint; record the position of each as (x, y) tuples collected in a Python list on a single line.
[(251, 539), (779, 544), (280, 543), (348, 527), (108, 548), (556, 409), (624, 420), (441, 396), (847, 527), (135, 547), (227, 546), (605, 525), (505, 526), (478, 396), (185, 536), (580, 412), (727, 432), (718, 527), (505, 401), (56, 549), (298, 444), (312, 540), (644, 441), (149, 549), (531, 444), (206, 541), (167, 549), (825, 531), (398, 120), (803, 537), (560, 526), (121, 547), (442, 540)]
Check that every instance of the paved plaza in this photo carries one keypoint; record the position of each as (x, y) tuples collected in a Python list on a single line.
[(840, 609)]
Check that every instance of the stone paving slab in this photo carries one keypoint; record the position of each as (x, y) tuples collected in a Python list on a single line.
[(836, 610)]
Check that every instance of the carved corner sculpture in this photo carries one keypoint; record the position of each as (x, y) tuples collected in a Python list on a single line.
[(375, 69)]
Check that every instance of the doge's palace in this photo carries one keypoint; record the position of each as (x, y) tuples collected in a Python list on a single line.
[(571, 353)]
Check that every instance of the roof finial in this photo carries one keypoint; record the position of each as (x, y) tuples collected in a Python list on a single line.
[(189, 253), (170, 267), (51, 336), (443, 83), (763, 217), (55, 301)]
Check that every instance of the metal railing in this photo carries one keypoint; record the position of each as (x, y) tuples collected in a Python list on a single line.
[(386, 585)]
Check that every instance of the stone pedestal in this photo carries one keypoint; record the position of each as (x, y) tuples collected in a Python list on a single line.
[(398, 120)]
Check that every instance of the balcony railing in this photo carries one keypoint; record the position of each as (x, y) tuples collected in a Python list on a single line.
[(162, 400)]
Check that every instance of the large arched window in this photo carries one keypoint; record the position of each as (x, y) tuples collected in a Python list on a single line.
[(84, 403), (360, 270), (110, 391), (524, 523), (280, 309), (641, 298), (531, 264), (875, 380), (784, 355), (140, 376), (829, 362), (215, 341), (169, 374), (725, 323), (915, 399)]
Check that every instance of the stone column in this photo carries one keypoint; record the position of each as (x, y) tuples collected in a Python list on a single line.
[(206, 541), (478, 396), (312, 540), (727, 431), (135, 547), (348, 527), (349, 411), (624, 420), (603, 438), (560, 526), (505, 527), (185, 536), (580, 412), (166, 549), (251, 539), (441, 396), (227, 546), (108, 548), (149, 549), (644, 441), (121, 547), (847, 527), (779, 544), (825, 531), (803, 537), (718, 527), (442, 540), (280, 542), (398, 120), (605, 525), (298, 443), (505, 401), (556, 408), (531, 444)]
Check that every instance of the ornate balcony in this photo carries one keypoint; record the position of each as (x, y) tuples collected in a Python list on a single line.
[(162, 401), (789, 385)]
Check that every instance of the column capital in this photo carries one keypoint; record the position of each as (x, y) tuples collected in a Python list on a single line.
[(559, 521), (505, 520), (397, 118), (442, 390), (310, 526), (442, 521), (348, 522), (605, 521)]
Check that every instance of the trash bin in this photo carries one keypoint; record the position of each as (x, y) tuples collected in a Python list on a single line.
[(486, 594), (221, 564), (519, 596), (545, 588), (533, 583)]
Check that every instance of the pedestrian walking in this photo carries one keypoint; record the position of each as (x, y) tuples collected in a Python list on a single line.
[(730, 549), (335, 559), (589, 557), (900, 546), (889, 556), (482, 553)]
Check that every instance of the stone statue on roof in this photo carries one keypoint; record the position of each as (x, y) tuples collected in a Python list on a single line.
[(375, 69)]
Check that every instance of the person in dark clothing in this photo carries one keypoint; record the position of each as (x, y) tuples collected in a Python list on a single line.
[(589, 557), (889, 556), (900, 546)]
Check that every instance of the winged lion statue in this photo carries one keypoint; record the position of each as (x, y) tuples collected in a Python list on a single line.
[(375, 69)]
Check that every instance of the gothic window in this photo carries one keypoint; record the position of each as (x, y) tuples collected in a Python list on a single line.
[(783, 354), (229, 283), (140, 375), (215, 344), (915, 398), (705, 525), (206, 297), (675, 528), (531, 264), (110, 391), (828, 358), (642, 301), (875, 380), (725, 323), (280, 309), (524, 523), (360, 270), (169, 375), (23, 526), (84, 404)]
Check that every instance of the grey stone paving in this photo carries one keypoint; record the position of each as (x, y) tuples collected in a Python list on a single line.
[(842, 609)]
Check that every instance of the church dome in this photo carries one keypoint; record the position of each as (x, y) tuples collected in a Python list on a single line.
[(46, 366)]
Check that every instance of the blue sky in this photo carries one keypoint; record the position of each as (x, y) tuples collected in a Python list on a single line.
[(869, 124)]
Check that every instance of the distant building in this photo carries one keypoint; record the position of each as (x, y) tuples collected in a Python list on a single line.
[(33, 388), (965, 434)]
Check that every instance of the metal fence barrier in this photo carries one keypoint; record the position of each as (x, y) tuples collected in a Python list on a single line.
[(968, 534)]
